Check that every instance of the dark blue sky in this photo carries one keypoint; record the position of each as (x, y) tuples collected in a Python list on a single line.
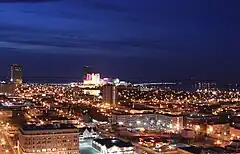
[(132, 39)]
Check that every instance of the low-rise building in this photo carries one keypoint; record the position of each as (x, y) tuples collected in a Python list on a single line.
[(218, 130), (169, 122), (7, 88), (111, 146), (134, 120), (153, 142), (49, 139), (235, 132), (149, 121), (87, 133), (57, 119), (188, 133), (192, 120)]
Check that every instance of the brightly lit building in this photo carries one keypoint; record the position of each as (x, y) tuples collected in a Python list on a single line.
[(113, 146), (170, 122), (92, 79), (49, 139), (218, 130), (145, 121), (88, 133), (110, 81), (94, 92), (205, 86), (106, 81), (157, 143)]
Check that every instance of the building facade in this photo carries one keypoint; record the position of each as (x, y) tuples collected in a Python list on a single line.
[(16, 74), (113, 146), (134, 120), (7, 88), (170, 122), (109, 94), (87, 133), (92, 79), (218, 131), (149, 121), (49, 139), (235, 132)]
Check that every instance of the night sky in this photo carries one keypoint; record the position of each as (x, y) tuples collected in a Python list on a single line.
[(136, 40)]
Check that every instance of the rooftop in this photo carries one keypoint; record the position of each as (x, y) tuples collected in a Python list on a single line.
[(53, 118), (88, 128), (170, 115), (200, 115), (109, 142), (140, 107), (236, 125), (215, 149), (47, 127), (154, 139), (195, 150)]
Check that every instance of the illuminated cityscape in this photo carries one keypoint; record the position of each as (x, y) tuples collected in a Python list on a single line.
[(121, 117), (119, 77)]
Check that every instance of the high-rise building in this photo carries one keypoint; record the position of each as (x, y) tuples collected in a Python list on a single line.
[(92, 79), (87, 70), (16, 74), (7, 88), (109, 94), (49, 139)]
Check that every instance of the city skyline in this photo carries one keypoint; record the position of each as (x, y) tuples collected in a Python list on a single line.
[(119, 76), (89, 70), (154, 41)]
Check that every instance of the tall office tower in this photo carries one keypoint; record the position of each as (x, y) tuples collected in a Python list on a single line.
[(109, 94), (49, 139), (16, 74)]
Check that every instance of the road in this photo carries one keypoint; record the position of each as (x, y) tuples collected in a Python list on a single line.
[(9, 141), (5, 147)]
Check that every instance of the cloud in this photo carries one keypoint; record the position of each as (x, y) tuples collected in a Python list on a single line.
[(59, 14), (107, 6), (79, 43), (85, 47), (26, 1)]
